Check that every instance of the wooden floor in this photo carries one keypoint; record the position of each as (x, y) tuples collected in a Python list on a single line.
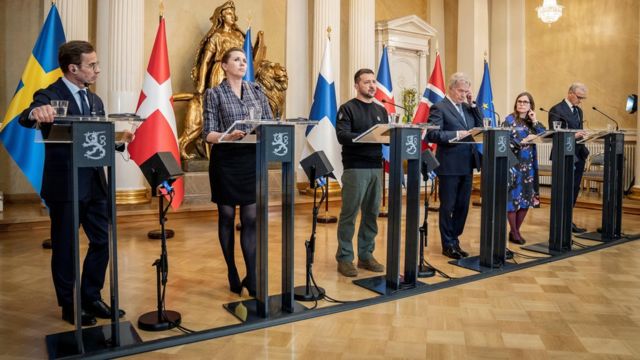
[(583, 307)]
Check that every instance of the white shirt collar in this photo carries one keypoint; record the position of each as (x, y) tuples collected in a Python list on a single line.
[(571, 106)]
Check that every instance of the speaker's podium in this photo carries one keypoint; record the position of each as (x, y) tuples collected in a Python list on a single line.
[(612, 194), (496, 161), (562, 168), (405, 140), (275, 142), (92, 144)]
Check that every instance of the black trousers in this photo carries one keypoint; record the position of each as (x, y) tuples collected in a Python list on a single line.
[(455, 193), (94, 221)]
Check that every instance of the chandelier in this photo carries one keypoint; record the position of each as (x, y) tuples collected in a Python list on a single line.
[(549, 12)]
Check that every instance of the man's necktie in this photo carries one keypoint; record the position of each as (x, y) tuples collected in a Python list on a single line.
[(84, 102)]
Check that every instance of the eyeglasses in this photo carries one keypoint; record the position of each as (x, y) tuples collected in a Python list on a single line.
[(524, 102), (93, 66), (581, 97)]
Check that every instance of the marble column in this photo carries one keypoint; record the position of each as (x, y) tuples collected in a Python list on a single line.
[(120, 41), (297, 49), (326, 13), (75, 17), (473, 39), (507, 53), (635, 190), (362, 14)]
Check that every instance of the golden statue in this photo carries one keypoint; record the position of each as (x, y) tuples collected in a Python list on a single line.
[(207, 72)]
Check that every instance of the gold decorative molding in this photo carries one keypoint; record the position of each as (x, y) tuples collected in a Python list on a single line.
[(132, 197)]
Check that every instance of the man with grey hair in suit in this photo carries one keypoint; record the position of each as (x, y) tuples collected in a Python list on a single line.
[(455, 115), (571, 116)]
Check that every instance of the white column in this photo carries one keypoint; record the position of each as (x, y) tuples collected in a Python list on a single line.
[(473, 38), (362, 14), (424, 73), (507, 53), (326, 13), (75, 18), (120, 38), (297, 53), (436, 19), (635, 190)]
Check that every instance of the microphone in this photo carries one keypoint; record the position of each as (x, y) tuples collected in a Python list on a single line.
[(555, 114), (385, 101), (607, 116), (475, 105)]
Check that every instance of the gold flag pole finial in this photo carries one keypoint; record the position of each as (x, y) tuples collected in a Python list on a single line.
[(53, 2), (250, 18), (485, 56), (437, 47), (329, 33), (161, 9)]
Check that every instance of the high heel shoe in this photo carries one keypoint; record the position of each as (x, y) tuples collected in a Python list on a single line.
[(251, 289), (516, 240), (235, 286)]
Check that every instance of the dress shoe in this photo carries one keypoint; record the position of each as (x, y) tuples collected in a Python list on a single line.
[(69, 316), (452, 252), (100, 309), (508, 254), (518, 240), (577, 230), (462, 252)]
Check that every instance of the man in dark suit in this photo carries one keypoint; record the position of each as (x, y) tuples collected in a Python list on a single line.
[(80, 67), (571, 116), (456, 116)]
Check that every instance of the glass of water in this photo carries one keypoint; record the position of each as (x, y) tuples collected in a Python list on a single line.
[(486, 122), (557, 125)]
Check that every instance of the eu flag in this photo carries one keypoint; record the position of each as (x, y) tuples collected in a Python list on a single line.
[(485, 99), (248, 52), (42, 69)]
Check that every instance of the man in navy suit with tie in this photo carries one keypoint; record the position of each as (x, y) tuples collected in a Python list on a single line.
[(80, 68), (571, 116), (456, 116)]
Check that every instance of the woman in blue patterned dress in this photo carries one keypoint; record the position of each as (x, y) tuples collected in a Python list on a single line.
[(523, 181)]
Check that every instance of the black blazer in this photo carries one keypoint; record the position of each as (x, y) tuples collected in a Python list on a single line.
[(455, 159), (57, 176), (562, 112)]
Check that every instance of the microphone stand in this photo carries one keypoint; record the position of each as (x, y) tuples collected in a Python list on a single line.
[(161, 319), (306, 292), (425, 270), (608, 117)]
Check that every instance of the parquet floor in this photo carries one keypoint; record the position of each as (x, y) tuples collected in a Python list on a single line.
[(584, 307)]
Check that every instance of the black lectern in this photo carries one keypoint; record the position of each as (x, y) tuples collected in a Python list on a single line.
[(612, 197), (493, 216), (92, 142), (405, 145), (562, 168), (275, 142)]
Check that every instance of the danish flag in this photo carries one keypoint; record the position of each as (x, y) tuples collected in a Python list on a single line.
[(158, 132)]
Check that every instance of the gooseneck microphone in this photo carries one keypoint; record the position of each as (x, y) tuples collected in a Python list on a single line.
[(385, 101), (608, 117), (555, 114)]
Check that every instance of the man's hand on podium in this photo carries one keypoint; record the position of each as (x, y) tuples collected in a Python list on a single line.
[(43, 114)]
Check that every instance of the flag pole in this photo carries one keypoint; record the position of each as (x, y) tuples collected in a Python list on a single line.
[(326, 218)]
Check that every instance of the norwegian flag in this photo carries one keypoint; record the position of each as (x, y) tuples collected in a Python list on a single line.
[(384, 96), (433, 94), (158, 132)]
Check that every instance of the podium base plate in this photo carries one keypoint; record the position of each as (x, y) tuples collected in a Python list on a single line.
[(595, 236), (378, 284), (315, 293), (152, 322), (473, 263), (247, 310), (543, 248), (94, 339)]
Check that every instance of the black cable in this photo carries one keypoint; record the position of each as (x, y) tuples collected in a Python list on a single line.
[(580, 245), (525, 256)]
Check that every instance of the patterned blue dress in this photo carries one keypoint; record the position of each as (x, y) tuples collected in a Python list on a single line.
[(523, 178)]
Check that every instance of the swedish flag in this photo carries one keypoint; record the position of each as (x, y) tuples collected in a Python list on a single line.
[(42, 70)]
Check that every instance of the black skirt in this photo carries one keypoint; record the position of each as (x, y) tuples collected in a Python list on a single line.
[(232, 174)]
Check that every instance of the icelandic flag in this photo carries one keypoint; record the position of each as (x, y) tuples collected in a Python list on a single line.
[(324, 109), (485, 99), (42, 70), (384, 92), (158, 132), (433, 94), (248, 52)]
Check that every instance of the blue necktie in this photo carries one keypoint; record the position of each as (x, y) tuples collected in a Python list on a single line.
[(84, 102)]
